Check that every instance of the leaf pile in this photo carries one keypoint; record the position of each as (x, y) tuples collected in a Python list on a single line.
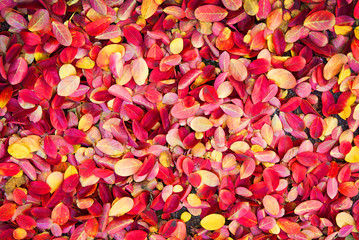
[(112, 120)]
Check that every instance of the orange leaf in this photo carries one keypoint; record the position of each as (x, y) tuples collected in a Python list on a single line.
[(288, 226), (5, 96), (60, 214), (148, 8), (7, 210), (283, 78)]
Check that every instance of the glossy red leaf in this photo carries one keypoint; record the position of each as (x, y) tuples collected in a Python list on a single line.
[(97, 27), (74, 136), (39, 187), (9, 169), (133, 35), (58, 119), (188, 78)]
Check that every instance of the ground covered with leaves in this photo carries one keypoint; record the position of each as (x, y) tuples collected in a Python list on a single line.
[(179, 119)]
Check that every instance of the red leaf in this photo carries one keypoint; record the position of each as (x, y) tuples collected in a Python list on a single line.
[(74, 136), (291, 105), (9, 169), (70, 183), (188, 78), (348, 189), (295, 64), (307, 159), (17, 71), (248, 220), (91, 227), (38, 187), (99, 6), (26, 222), (7, 210), (279, 42), (210, 13), (62, 33), (259, 66), (39, 21), (79, 233), (316, 128), (97, 27), (271, 178), (320, 20), (58, 119), (355, 48), (136, 235), (132, 35), (210, 94)]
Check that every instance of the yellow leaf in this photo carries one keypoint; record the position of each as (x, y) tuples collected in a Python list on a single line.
[(18, 150), (54, 180), (177, 188), (239, 147), (89, 181), (71, 170), (85, 122), (353, 155), (331, 123), (344, 218), (186, 216), (342, 30), (103, 57), (208, 178), (345, 113), (251, 7), (32, 142), (193, 200), (275, 230), (85, 63), (344, 73), (201, 124), (67, 70), (148, 8), (356, 32), (139, 71), (256, 148), (176, 46), (213, 222), (121, 207)]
